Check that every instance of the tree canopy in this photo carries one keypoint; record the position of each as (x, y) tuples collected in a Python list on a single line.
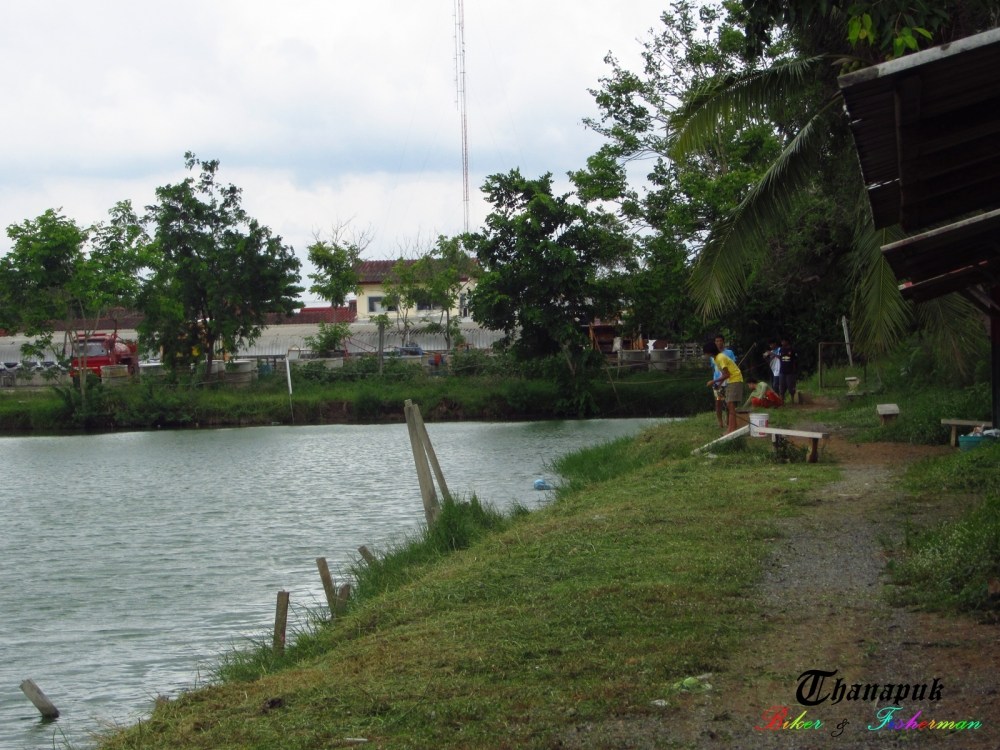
[(58, 272), (753, 169), (549, 265), (216, 272)]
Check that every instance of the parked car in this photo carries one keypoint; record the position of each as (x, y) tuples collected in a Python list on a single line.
[(411, 350)]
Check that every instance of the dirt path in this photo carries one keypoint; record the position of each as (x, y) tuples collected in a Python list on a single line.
[(823, 599), (824, 602)]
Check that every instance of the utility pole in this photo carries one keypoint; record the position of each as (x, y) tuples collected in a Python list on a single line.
[(460, 84)]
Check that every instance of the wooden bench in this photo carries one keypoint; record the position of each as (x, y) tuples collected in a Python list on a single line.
[(815, 437), (956, 423), (886, 412)]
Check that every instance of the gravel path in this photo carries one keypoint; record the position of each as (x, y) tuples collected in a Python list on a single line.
[(823, 600)]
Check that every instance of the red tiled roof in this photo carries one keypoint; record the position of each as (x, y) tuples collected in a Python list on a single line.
[(375, 271)]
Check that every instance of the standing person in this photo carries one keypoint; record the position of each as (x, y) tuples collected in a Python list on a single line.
[(789, 369), (730, 377), (719, 391), (773, 358)]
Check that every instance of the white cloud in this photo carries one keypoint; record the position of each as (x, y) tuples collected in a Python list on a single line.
[(323, 111)]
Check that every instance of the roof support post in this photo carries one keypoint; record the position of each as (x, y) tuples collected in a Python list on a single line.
[(995, 353)]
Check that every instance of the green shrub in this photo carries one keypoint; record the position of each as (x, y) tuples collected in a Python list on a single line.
[(476, 362)]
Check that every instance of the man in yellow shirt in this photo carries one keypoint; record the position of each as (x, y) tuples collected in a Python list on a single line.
[(730, 377)]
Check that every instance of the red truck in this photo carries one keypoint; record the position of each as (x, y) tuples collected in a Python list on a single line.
[(101, 349)]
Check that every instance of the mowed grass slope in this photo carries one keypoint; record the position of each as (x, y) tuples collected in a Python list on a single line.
[(635, 577)]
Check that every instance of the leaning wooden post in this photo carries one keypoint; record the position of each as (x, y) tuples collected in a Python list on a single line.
[(343, 594), (366, 554), (423, 470), (431, 455), (280, 622), (42, 703), (331, 594)]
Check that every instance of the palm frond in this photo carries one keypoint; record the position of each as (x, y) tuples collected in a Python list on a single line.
[(954, 330), (741, 240), (738, 97), (880, 314)]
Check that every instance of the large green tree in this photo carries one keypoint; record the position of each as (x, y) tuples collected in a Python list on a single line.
[(818, 41), (753, 171), (684, 198), (217, 272), (58, 272), (549, 265), (336, 262)]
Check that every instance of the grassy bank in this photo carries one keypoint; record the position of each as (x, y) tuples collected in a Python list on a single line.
[(319, 399), (596, 606)]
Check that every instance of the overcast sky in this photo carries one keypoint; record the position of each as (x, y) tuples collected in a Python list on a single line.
[(325, 112)]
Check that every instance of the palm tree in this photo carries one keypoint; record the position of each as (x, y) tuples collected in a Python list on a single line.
[(740, 241)]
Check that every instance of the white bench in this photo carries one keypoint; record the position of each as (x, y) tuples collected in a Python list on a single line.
[(815, 437), (886, 412), (956, 423)]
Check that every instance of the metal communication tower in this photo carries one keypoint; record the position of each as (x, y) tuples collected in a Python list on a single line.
[(460, 83)]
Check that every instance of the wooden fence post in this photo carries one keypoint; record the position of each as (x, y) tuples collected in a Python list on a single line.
[(425, 439), (420, 460), (324, 574), (366, 554), (280, 622), (42, 703), (343, 594)]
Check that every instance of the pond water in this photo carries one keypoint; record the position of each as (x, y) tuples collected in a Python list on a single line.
[(131, 561)]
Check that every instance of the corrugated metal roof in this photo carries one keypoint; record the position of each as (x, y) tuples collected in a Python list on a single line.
[(948, 259), (927, 131), (275, 341)]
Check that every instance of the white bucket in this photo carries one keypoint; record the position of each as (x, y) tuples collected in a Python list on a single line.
[(757, 422)]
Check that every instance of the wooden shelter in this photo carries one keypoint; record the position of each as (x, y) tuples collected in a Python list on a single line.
[(927, 131)]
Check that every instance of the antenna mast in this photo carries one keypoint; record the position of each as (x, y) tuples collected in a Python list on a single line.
[(460, 83)]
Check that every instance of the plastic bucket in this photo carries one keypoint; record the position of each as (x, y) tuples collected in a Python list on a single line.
[(758, 423), (968, 442)]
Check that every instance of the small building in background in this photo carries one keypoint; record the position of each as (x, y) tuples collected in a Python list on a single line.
[(372, 275)]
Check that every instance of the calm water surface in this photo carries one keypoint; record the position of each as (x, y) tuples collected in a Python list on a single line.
[(129, 562)]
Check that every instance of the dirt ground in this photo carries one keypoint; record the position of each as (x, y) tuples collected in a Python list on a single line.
[(823, 597)]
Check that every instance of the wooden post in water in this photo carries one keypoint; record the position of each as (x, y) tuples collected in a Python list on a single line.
[(331, 594), (429, 449), (420, 460), (280, 622), (366, 554), (42, 703)]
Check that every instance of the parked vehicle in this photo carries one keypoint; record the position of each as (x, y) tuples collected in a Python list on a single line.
[(410, 350), (103, 349)]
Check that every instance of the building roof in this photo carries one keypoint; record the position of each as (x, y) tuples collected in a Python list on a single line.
[(927, 131), (952, 258), (375, 271)]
